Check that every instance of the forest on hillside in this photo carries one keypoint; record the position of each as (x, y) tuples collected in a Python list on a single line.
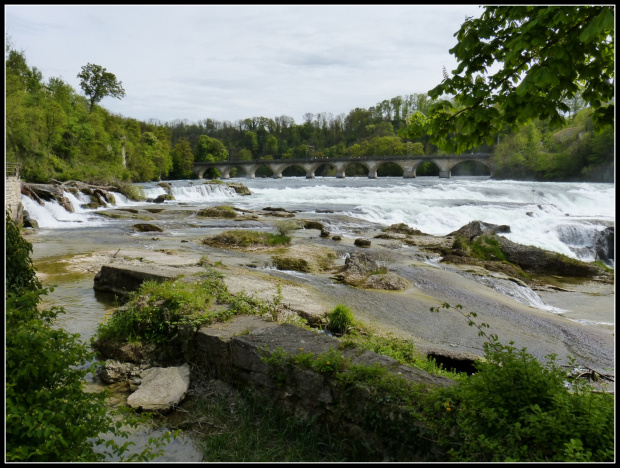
[(54, 132)]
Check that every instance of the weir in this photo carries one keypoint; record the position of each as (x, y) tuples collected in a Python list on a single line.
[(408, 164)]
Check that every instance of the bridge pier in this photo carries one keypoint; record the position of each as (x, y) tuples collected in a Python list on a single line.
[(444, 174), (372, 174)]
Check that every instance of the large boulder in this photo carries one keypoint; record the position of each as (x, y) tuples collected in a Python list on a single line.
[(536, 260), (385, 281), (161, 389), (478, 228), (113, 371), (365, 271), (120, 279), (147, 227), (604, 244), (240, 189)]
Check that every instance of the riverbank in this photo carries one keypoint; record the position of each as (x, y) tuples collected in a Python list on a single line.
[(404, 314)]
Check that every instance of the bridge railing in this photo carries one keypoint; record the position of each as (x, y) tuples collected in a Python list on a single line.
[(12, 169), (349, 159)]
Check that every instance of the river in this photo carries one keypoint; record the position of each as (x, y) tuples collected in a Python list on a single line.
[(561, 217)]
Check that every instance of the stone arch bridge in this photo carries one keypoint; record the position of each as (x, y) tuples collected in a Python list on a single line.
[(408, 164)]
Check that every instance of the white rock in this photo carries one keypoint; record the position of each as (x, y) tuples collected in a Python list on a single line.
[(161, 388)]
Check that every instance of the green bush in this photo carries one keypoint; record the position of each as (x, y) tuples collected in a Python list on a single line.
[(49, 415), (340, 319), (155, 312), (285, 226), (516, 409)]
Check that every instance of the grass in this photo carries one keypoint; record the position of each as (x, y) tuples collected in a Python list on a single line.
[(245, 239), (244, 426)]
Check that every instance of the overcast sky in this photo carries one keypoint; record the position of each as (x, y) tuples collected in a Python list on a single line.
[(234, 62)]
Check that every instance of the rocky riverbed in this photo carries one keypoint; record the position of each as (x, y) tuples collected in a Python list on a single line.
[(411, 259)]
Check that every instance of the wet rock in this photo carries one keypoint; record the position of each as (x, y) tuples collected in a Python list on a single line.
[(325, 233), (478, 228), (113, 371), (30, 222), (292, 264), (360, 265), (161, 389), (147, 227), (362, 242), (313, 225), (121, 280), (402, 228), (163, 198), (240, 189), (536, 260), (387, 282), (218, 212), (604, 244)]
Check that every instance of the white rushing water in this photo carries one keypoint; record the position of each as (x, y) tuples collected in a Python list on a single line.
[(561, 217)]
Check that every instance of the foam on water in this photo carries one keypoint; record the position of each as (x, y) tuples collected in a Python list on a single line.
[(53, 216), (561, 217)]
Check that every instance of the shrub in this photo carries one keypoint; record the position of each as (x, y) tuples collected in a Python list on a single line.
[(49, 415), (285, 226), (516, 409), (340, 319), (155, 312)]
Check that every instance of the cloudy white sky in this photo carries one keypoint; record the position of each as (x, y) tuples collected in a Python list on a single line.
[(231, 62)]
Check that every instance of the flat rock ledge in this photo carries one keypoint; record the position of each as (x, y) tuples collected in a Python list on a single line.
[(122, 279), (161, 389)]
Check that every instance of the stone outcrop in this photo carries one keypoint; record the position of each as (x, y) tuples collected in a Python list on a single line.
[(385, 281), (402, 228), (604, 244), (236, 352), (161, 389), (218, 212), (537, 260), (364, 271), (121, 280), (147, 227), (478, 228), (113, 371), (240, 189), (161, 198), (362, 242)]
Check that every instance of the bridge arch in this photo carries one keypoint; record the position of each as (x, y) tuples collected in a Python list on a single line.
[(427, 167), (472, 167), (390, 169)]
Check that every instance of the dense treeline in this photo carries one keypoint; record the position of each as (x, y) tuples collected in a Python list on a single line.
[(54, 132)]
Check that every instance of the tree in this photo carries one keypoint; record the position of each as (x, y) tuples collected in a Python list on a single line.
[(182, 160), (545, 55), (210, 150), (98, 83)]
